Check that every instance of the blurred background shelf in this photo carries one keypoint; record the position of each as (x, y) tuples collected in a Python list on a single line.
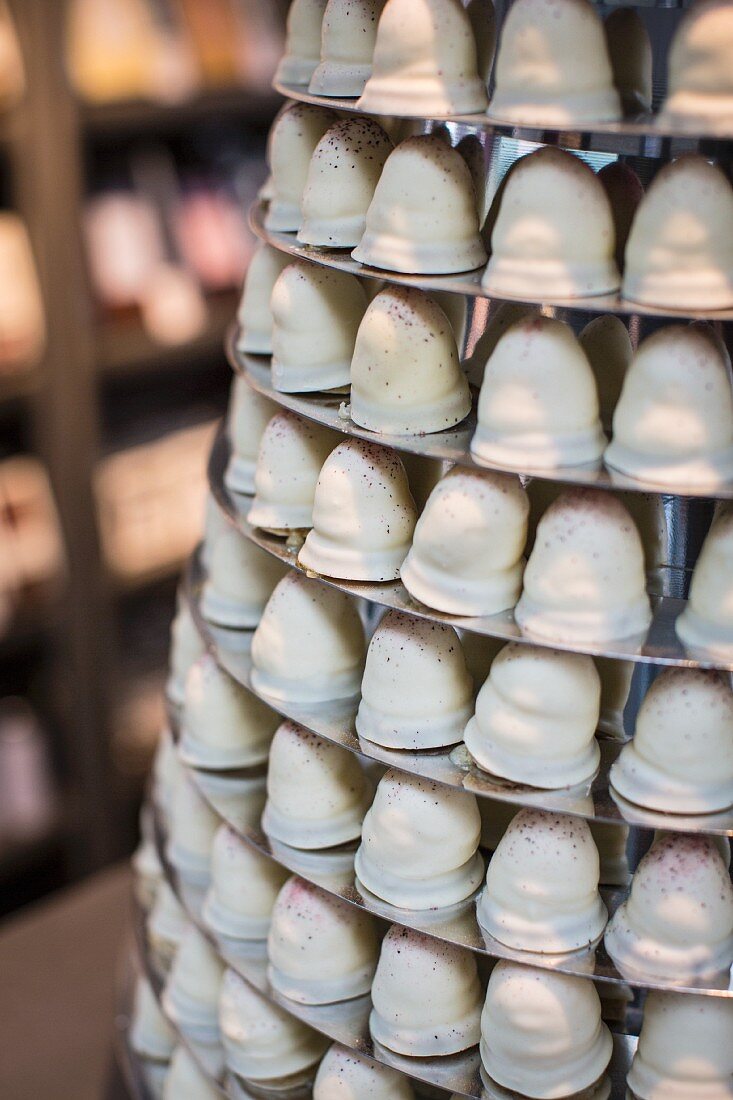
[(255, 108)]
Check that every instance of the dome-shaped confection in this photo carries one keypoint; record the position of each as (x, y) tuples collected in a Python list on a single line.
[(185, 1081), (166, 770), (317, 792), (502, 315), (240, 582), (348, 34), (294, 136), (363, 515), (585, 579), (309, 646), (554, 234), (423, 219), (345, 1075), (216, 523), (192, 827), (166, 925), (244, 886), (541, 1033), (607, 345), (224, 725), (677, 922), (289, 461), (466, 556), (679, 254), (254, 316), (263, 1042), (302, 42), (538, 405), (681, 758), (707, 621), (673, 424), (406, 376), (191, 996), (425, 61), (151, 1036), (685, 1049), (541, 889), (416, 692), (316, 313), (630, 52), (343, 174), (320, 948), (552, 66), (146, 865), (616, 679), (419, 844), (185, 648), (536, 718), (699, 74), (249, 415)]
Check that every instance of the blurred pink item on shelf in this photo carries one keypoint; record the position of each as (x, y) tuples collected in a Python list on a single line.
[(22, 322), (124, 246), (213, 239), (27, 799), (174, 310)]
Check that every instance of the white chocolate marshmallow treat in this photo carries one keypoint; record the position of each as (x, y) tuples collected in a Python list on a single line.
[(216, 523), (192, 827), (293, 139), (165, 927), (244, 886), (343, 174), (419, 844), (348, 35), (185, 1081), (541, 892), (254, 316), (249, 415), (699, 75), (316, 313), (151, 1036), (630, 52), (467, 551), (320, 948), (538, 406), (363, 515), (185, 648), (425, 61), (707, 621), (309, 646), (685, 1049), (416, 692), (542, 1034), (554, 234), (423, 219), (406, 376), (191, 994), (302, 42), (317, 792), (291, 454), (426, 996), (536, 718), (585, 578), (681, 757), (677, 923), (224, 726), (552, 66), (345, 1075), (502, 315), (166, 770), (615, 687), (679, 254), (607, 345), (240, 581), (263, 1042), (673, 424)]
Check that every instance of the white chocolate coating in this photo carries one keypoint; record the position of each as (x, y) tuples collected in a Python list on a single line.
[(685, 1049), (191, 995), (254, 316), (151, 1036), (699, 76), (423, 219), (673, 424), (185, 648), (541, 1032), (165, 927), (541, 889), (249, 415), (536, 718), (320, 949), (416, 692), (185, 1081), (552, 66), (344, 1075), (244, 886), (538, 406), (302, 42), (309, 646), (348, 35), (607, 345), (585, 578), (293, 138), (241, 579), (554, 235), (316, 313), (467, 551), (192, 827), (677, 922), (426, 996), (419, 846), (166, 770), (425, 61), (363, 515), (679, 254), (406, 377), (317, 793), (343, 174), (707, 621)]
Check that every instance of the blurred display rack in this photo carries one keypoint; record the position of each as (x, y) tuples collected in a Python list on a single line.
[(239, 104)]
